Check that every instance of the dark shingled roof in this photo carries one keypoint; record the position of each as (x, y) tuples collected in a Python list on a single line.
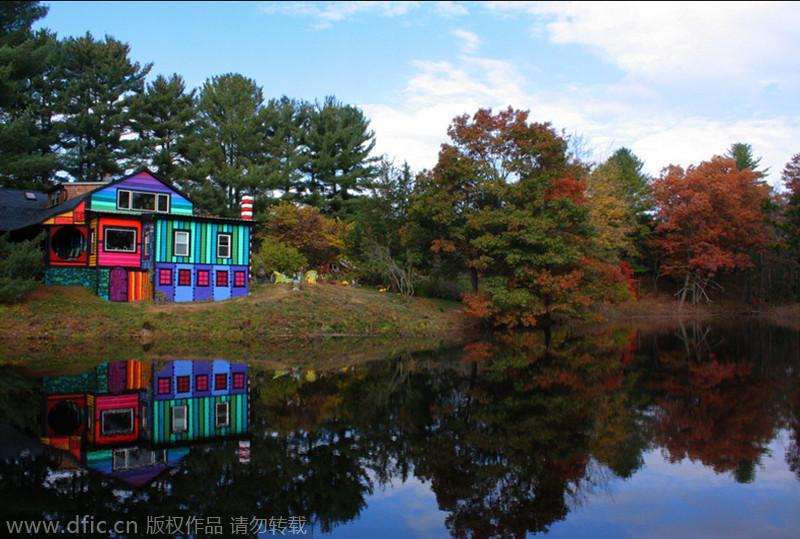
[(18, 211)]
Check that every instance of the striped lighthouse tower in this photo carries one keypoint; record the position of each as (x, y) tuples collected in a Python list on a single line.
[(247, 206)]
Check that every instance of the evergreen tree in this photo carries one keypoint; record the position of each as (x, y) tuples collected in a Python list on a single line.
[(285, 122), (164, 120), (100, 86), (28, 135), (338, 142), (743, 155), (229, 158)]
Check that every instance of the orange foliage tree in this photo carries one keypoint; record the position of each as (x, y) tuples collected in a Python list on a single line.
[(507, 201), (710, 218)]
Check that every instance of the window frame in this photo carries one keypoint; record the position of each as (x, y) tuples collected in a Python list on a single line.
[(130, 194), (184, 272), (163, 388), (187, 243), (217, 385), (206, 278), (162, 273), (176, 425), (183, 384), (236, 275), (229, 247), (201, 382), (226, 420), (226, 279), (126, 229), (117, 411)]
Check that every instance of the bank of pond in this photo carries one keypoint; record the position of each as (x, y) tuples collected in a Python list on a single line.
[(686, 429)]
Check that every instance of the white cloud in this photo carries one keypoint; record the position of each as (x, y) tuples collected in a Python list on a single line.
[(675, 42), (471, 41), (328, 13)]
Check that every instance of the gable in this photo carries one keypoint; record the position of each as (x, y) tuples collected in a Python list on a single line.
[(141, 192)]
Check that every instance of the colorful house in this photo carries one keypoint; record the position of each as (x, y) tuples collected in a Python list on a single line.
[(195, 400), (139, 238), (133, 420)]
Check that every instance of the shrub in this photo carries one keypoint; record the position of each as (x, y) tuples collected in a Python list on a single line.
[(21, 267)]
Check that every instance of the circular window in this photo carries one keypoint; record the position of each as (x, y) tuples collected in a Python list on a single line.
[(65, 417), (68, 243)]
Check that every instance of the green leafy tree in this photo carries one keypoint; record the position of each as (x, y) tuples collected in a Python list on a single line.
[(28, 132), (100, 86), (164, 121), (229, 158), (275, 255)]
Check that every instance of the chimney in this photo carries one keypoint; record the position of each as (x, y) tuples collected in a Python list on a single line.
[(247, 206)]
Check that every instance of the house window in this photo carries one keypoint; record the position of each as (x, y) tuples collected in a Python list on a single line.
[(164, 385), (147, 240), (116, 421), (142, 201), (181, 243), (165, 277), (222, 415), (221, 382), (239, 278), (201, 382), (238, 380), (183, 384), (119, 240), (223, 245), (184, 277), (179, 419), (222, 278), (203, 277), (68, 243)]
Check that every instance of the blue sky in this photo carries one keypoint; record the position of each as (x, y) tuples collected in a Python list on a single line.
[(675, 82)]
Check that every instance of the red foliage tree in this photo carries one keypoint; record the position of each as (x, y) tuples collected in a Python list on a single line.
[(710, 219)]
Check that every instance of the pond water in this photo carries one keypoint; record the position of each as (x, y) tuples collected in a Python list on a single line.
[(691, 430)]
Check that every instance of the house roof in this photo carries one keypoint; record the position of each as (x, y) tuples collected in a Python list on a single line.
[(19, 211), (19, 208)]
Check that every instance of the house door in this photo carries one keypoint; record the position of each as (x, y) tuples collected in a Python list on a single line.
[(118, 285)]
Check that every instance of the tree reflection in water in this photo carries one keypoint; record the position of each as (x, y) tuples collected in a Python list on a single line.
[(511, 433)]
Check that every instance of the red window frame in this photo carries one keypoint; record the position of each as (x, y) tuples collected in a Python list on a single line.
[(238, 380), (184, 277), (221, 382), (165, 277), (203, 278), (239, 278), (183, 384), (164, 385), (222, 278), (201, 382)]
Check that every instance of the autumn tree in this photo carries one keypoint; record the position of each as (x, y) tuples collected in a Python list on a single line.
[(709, 220), (506, 199), (316, 237)]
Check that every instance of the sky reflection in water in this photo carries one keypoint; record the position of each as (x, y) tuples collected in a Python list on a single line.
[(689, 431)]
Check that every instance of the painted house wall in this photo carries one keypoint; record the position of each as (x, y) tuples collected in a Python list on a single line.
[(106, 199), (112, 258), (202, 242), (110, 403), (201, 418)]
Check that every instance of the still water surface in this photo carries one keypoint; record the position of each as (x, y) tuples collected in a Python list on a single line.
[(685, 431)]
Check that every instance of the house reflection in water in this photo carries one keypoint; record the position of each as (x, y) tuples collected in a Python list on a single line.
[(134, 420)]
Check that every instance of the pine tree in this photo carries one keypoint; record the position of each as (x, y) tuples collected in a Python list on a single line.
[(164, 120), (100, 86), (28, 134), (229, 158)]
